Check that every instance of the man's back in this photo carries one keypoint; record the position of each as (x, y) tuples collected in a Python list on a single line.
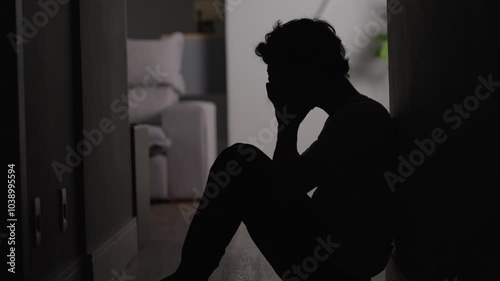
[(353, 198), (356, 146)]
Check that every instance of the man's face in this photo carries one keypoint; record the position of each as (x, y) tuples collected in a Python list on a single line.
[(292, 86), (286, 79)]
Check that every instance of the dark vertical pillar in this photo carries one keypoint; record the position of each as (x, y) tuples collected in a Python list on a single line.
[(443, 60), (107, 169)]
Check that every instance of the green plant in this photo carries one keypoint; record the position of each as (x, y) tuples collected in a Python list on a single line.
[(383, 52)]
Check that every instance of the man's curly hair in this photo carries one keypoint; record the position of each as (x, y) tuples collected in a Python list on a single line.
[(309, 45)]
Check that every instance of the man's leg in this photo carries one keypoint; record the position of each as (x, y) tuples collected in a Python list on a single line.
[(294, 241), (290, 237), (231, 187), (283, 226)]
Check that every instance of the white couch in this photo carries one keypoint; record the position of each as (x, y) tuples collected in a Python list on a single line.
[(182, 134)]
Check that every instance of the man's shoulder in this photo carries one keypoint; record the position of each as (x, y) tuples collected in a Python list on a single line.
[(364, 110), (368, 107)]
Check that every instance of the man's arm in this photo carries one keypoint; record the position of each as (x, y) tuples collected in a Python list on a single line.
[(294, 172)]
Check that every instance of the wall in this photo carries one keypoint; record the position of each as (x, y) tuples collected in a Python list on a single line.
[(250, 113), (107, 170), (151, 18)]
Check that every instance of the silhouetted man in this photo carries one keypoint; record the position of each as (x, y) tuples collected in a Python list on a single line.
[(344, 231)]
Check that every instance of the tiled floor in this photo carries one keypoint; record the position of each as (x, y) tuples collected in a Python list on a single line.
[(160, 257)]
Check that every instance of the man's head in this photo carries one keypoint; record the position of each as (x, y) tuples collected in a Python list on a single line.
[(303, 54)]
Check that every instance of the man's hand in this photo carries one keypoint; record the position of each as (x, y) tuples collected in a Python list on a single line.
[(289, 110)]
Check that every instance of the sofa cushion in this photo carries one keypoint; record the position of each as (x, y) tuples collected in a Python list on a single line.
[(146, 106), (152, 61), (158, 140)]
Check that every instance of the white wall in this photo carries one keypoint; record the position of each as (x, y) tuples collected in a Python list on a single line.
[(250, 114)]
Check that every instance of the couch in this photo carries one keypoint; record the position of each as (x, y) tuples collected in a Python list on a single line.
[(182, 134)]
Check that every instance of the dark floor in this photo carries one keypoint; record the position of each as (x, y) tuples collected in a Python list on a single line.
[(160, 257)]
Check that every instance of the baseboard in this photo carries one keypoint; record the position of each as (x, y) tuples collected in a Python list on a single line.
[(74, 272), (113, 255)]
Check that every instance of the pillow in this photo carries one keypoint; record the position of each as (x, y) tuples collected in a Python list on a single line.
[(149, 60)]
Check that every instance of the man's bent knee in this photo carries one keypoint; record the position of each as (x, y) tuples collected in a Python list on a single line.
[(241, 158), (233, 162), (244, 152)]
